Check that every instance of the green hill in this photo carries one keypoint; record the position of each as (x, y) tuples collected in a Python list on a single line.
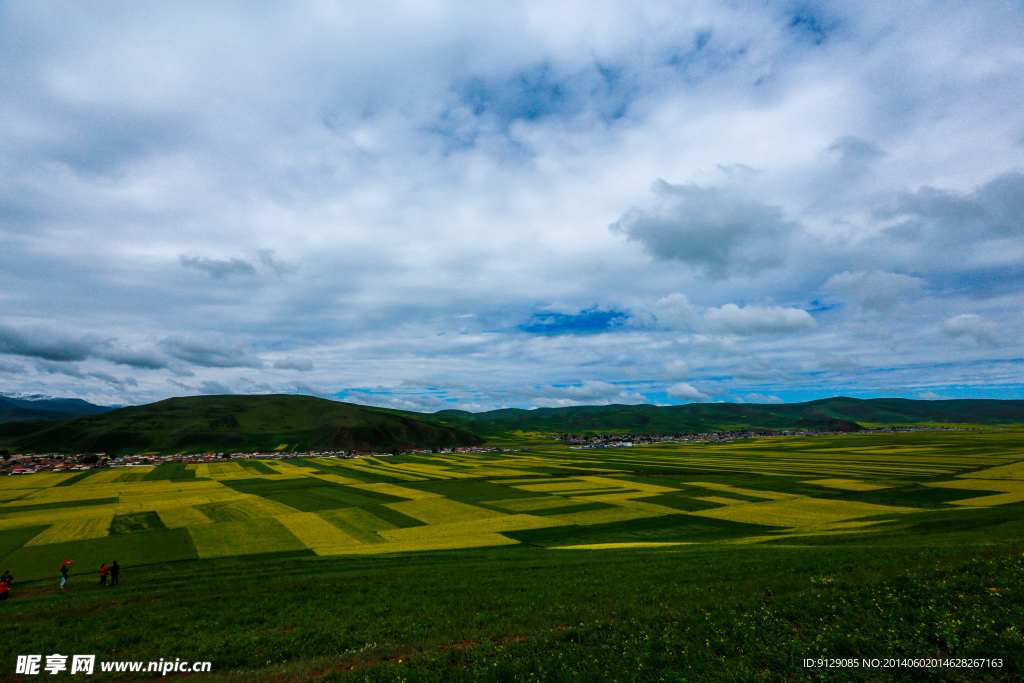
[(840, 413), (265, 422), (233, 423)]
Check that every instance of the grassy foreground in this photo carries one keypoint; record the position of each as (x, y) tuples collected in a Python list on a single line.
[(750, 613), (730, 562)]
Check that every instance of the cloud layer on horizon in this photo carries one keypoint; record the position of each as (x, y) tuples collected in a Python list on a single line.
[(513, 205)]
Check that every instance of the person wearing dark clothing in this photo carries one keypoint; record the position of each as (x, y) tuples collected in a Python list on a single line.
[(8, 578), (103, 575), (63, 574), (4, 588), (114, 569)]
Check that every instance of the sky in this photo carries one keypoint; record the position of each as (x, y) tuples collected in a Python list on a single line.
[(429, 205)]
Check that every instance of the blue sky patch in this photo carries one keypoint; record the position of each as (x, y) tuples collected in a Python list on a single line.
[(587, 322)]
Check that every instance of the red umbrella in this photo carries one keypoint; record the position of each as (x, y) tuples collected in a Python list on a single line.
[(68, 562)]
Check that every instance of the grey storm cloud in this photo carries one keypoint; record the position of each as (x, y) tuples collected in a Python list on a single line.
[(854, 155), (717, 230), (992, 211), (214, 387), (216, 268), (49, 345), (268, 259), (209, 355), (46, 344), (971, 325), (876, 290)]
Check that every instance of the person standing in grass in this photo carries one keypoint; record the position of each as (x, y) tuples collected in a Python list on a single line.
[(64, 573), (114, 570), (103, 574), (5, 588), (8, 578)]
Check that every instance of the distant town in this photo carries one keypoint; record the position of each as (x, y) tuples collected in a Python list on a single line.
[(579, 441), (30, 463)]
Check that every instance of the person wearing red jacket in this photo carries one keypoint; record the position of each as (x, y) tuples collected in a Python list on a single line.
[(103, 574)]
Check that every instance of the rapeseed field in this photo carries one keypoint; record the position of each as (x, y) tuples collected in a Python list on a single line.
[(648, 542)]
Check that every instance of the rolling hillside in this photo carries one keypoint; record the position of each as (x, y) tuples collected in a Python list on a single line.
[(233, 423), (823, 414), (287, 422)]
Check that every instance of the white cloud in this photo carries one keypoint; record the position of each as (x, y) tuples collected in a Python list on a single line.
[(974, 326), (677, 369), (687, 392), (293, 363), (751, 320), (876, 290), (675, 312), (387, 193), (761, 398)]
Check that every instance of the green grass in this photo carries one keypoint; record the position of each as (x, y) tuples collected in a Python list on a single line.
[(136, 523), (170, 470), (502, 615), (720, 600)]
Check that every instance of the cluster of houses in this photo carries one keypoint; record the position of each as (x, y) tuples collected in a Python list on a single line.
[(629, 440), (56, 462)]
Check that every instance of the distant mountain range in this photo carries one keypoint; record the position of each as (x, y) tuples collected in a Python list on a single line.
[(288, 422), (40, 407), (823, 415)]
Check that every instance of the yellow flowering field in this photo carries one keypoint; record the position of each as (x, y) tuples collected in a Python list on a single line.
[(75, 529), (438, 510)]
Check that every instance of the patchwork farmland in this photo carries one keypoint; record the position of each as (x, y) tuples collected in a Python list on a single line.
[(723, 562), (752, 492)]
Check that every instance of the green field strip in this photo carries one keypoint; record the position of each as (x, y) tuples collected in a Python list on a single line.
[(256, 465), (683, 502), (373, 466), (182, 516), (135, 523), (373, 475), (393, 517), (913, 496), (442, 510), (358, 523), (13, 539), (311, 494), (542, 502), (470, 490), (571, 508), (134, 474), (318, 498), (170, 470), (248, 537), (71, 481), (56, 505), (672, 528), (1011, 471), (349, 474), (42, 562)]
